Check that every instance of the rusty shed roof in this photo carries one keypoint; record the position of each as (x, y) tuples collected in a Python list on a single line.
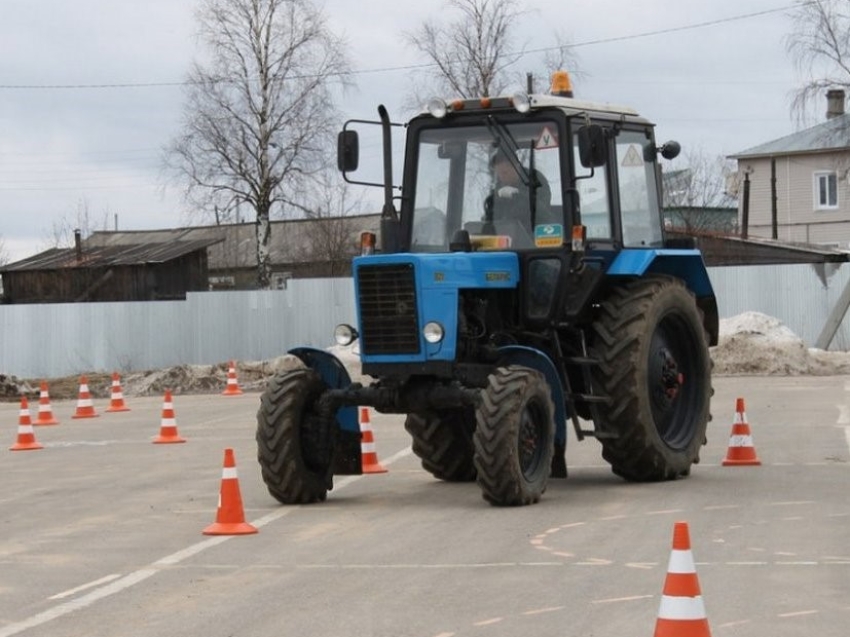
[(93, 256), (237, 245)]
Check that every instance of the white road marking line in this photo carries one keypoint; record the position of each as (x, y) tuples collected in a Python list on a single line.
[(487, 622), (82, 587), (798, 613), (847, 436), (540, 611), (81, 602), (621, 599), (843, 414), (123, 583)]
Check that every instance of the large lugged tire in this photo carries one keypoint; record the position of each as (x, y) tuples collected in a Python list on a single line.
[(656, 368), (293, 444), (514, 436), (443, 441)]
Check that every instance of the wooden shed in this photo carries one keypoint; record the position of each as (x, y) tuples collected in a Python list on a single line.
[(137, 272)]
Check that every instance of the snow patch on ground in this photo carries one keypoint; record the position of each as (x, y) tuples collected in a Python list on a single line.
[(759, 345)]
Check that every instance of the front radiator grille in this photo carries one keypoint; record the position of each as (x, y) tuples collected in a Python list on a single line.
[(388, 314)]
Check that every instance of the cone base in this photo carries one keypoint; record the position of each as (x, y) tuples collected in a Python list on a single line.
[(52, 421), (76, 416), (374, 468), (230, 528), (113, 409), (680, 627), (732, 462), (163, 440), (26, 446), (236, 392)]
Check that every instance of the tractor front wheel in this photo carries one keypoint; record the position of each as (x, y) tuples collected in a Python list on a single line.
[(294, 443), (514, 436)]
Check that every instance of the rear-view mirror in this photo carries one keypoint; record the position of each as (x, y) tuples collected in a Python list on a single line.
[(592, 146), (348, 150)]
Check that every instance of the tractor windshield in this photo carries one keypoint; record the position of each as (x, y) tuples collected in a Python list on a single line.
[(500, 182)]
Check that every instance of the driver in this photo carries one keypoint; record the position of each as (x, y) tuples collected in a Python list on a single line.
[(511, 199)]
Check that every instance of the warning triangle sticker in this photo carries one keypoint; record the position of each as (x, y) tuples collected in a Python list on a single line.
[(632, 158), (546, 139)]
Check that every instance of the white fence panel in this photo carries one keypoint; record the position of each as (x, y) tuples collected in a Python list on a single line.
[(214, 327)]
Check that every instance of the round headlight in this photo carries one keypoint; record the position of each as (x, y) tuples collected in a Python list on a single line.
[(344, 334), (433, 332), (437, 107), (522, 103)]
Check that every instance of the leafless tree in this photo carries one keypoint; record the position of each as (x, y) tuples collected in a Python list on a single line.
[(258, 116), (820, 47), (4, 256), (476, 54), (695, 184), (332, 237)]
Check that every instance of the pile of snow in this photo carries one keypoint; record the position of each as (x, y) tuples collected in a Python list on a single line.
[(759, 345)]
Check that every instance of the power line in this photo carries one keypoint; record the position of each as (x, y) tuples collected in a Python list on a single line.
[(412, 67)]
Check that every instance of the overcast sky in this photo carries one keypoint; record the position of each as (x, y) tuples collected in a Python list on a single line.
[(89, 89)]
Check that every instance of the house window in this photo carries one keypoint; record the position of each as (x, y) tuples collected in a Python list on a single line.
[(826, 190)]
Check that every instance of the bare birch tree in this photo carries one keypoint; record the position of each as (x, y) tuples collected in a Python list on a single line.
[(259, 118), (477, 53), (820, 47)]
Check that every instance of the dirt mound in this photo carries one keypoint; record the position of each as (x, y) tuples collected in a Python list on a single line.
[(750, 344)]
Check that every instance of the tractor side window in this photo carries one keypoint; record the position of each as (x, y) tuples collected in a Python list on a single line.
[(432, 200), (593, 195), (638, 192)]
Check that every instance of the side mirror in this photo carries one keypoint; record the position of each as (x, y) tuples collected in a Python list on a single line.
[(347, 151), (592, 146), (670, 150)]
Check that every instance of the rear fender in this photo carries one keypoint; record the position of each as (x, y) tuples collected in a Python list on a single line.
[(535, 359), (687, 265), (348, 457)]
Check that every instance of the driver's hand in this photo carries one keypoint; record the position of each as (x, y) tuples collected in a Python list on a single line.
[(506, 192)]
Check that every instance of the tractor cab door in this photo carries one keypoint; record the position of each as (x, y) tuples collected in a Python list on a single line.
[(620, 200)]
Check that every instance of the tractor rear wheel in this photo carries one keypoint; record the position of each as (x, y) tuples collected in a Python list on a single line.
[(514, 436), (443, 441), (294, 444), (656, 368)]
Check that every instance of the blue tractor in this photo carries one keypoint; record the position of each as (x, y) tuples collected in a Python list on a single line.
[(524, 282)]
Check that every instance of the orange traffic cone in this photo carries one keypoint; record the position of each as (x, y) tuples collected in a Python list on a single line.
[(232, 388), (230, 516), (116, 402), (682, 612), (26, 435), (45, 413), (85, 408), (741, 450), (368, 455), (168, 427)]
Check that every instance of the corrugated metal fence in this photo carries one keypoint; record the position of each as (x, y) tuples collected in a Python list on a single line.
[(41, 341)]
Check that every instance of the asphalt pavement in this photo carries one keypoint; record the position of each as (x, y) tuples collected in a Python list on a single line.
[(101, 532)]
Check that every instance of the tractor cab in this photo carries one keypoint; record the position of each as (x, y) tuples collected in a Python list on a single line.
[(527, 172)]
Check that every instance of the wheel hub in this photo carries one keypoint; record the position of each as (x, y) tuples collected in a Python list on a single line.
[(671, 378)]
